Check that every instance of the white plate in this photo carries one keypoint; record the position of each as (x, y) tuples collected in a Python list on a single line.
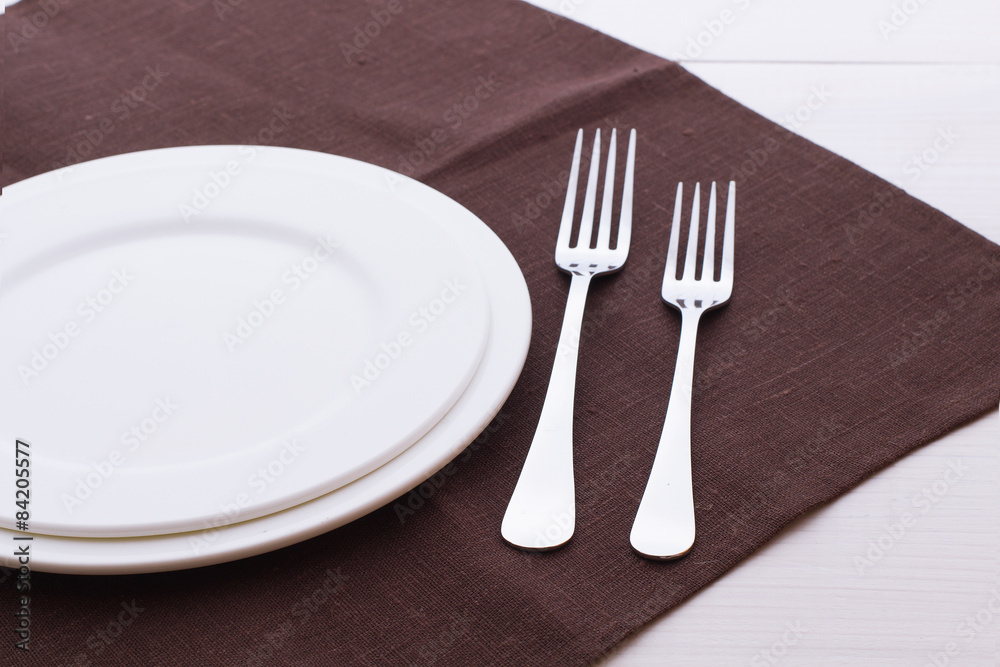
[(188, 330), (501, 365)]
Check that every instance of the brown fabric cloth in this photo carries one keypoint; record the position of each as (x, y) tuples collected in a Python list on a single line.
[(863, 323)]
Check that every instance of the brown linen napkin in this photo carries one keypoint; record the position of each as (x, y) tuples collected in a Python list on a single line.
[(863, 323)]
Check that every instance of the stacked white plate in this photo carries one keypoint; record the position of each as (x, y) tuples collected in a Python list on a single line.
[(216, 351)]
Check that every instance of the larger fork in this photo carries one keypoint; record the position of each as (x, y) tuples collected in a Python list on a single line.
[(664, 524), (541, 514)]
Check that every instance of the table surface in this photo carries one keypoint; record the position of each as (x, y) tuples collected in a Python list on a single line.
[(894, 74), (885, 79)]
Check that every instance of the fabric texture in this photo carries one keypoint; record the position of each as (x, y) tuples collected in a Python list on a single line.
[(863, 323)]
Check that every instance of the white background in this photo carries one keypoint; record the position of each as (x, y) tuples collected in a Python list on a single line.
[(891, 92)]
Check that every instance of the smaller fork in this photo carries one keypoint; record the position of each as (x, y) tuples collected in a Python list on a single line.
[(664, 524), (541, 514)]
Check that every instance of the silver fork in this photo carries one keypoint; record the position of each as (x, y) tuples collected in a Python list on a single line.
[(541, 514), (664, 524)]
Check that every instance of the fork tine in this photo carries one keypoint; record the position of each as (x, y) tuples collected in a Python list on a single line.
[(708, 264), (670, 273), (625, 219), (691, 258), (566, 226), (590, 200), (604, 228), (729, 237)]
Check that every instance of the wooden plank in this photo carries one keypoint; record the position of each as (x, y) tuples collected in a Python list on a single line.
[(797, 31)]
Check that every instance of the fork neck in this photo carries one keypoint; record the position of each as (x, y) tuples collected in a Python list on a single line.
[(684, 363), (577, 299)]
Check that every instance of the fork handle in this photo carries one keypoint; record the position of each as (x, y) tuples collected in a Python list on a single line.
[(664, 524), (541, 514)]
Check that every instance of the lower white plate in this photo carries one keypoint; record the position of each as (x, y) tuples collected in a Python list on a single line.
[(231, 538)]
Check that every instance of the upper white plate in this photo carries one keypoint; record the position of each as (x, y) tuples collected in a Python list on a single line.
[(189, 332), (233, 538)]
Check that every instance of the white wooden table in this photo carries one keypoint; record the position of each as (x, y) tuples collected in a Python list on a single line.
[(928, 67), (896, 77)]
